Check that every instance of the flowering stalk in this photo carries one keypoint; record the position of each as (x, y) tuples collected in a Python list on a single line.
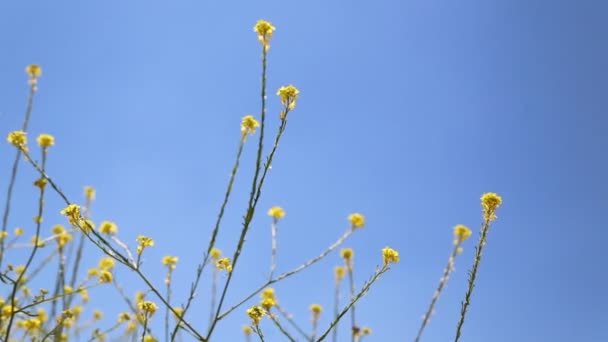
[(34, 249), (490, 202), (34, 71), (461, 233)]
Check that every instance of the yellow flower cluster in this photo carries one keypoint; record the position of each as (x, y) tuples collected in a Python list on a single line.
[(17, 138), (490, 202), (248, 125), (33, 70), (316, 309), (72, 211), (144, 242), (224, 264), (461, 233), (347, 253), (289, 94), (148, 307), (107, 227), (276, 212), (264, 29), (339, 271), (89, 193), (268, 298), (389, 255), (256, 313), (356, 220), (170, 261), (215, 254), (46, 140)]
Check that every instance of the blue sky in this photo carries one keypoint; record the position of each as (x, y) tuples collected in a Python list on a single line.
[(409, 111)]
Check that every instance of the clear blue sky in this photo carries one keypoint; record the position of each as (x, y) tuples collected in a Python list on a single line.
[(409, 111)]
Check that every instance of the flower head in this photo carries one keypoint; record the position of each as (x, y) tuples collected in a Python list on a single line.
[(107, 227), (347, 253), (72, 211), (144, 242), (17, 138), (215, 253), (356, 220), (247, 330), (461, 233), (33, 71), (490, 201), (248, 125), (339, 271), (170, 261), (105, 276), (276, 212), (316, 309), (89, 193), (289, 95), (390, 255), (264, 29), (256, 313), (224, 264), (148, 307), (45, 140)]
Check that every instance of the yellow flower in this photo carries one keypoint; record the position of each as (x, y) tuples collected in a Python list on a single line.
[(339, 270), (72, 211), (390, 255), (124, 317), (148, 307), (247, 330), (84, 294), (268, 293), (144, 242), (46, 140), (97, 315), (106, 264), (38, 241), (33, 70), (276, 213), (248, 125), (178, 312), (42, 316), (105, 276), (289, 95), (107, 227), (316, 309), (356, 220), (3, 235), (92, 272), (149, 338), (224, 264), (347, 253), (256, 313), (170, 261), (268, 303), (17, 138), (58, 229), (18, 231), (366, 331), (40, 182), (264, 29), (89, 193), (215, 253), (461, 233), (490, 201), (63, 239)]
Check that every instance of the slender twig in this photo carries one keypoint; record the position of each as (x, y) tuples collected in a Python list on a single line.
[(351, 279), (205, 261), (12, 299), (11, 183), (290, 273), (473, 274), (281, 328), (292, 322), (336, 307), (361, 293), (444, 279), (273, 260)]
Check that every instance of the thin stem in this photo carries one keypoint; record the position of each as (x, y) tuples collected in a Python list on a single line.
[(288, 274), (205, 261), (273, 260), (168, 294), (292, 322), (12, 299), (11, 183), (473, 274), (336, 309), (444, 279), (213, 295), (361, 293), (281, 328), (351, 279)]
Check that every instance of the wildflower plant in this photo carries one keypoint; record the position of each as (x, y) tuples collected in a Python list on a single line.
[(56, 312)]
